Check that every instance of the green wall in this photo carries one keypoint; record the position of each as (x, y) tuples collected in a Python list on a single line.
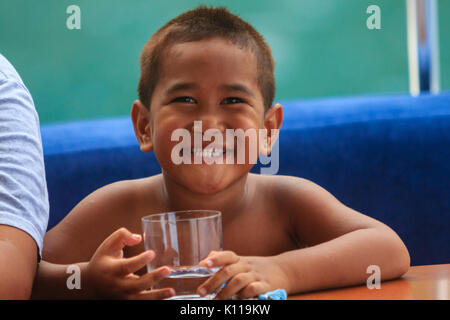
[(321, 48)]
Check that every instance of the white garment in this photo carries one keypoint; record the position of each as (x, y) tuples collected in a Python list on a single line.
[(23, 188)]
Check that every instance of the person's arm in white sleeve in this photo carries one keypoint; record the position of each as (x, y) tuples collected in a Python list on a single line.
[(24, 205)]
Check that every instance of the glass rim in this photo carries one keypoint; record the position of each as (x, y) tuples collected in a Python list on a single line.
[(153, 217)]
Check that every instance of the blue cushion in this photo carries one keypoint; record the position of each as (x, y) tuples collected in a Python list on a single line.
[(385, 156)]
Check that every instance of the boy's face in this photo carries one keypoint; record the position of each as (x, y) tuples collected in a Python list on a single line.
[(211, 81)]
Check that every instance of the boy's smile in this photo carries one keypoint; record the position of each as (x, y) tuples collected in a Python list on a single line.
[(212, 81)]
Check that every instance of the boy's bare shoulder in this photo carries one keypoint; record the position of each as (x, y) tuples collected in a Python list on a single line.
[(117, 197), (297, 195), (284, 187), (287, 194), (127, 192), (314, 214), (97, 216), (301, 201)]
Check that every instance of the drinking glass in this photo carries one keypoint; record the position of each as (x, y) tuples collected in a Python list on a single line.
[(181, 239)]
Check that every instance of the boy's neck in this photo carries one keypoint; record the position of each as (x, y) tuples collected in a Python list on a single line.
[(229, 201)]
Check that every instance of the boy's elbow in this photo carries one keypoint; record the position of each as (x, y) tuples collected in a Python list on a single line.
[(405, 261), (402, 264), (402, 261), (395, 257)]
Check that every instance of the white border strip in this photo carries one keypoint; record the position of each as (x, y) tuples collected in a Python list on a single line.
[(433, 38), (413, 54)]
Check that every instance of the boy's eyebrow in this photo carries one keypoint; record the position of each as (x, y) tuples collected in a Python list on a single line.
[(189, 85), (180, 86), (238, 87)]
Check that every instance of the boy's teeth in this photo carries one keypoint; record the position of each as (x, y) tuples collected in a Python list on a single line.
[(209, 152), (217, 152)]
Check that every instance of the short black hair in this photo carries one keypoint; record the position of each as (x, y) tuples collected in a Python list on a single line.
[(199, 24)]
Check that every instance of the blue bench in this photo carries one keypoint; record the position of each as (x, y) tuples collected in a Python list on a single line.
[(385, 156)]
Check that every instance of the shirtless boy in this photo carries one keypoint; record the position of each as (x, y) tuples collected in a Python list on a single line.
[(278, 231)]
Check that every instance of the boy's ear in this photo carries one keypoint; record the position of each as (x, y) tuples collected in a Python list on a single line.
[(272, 123), (140, 116)]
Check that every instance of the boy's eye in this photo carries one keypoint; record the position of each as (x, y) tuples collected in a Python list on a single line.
[(232, 100), (184, 99)]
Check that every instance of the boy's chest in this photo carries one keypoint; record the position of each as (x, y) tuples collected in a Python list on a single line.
[(257, 233)]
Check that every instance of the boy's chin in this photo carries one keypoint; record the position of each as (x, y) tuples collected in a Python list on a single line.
[(206, 187)]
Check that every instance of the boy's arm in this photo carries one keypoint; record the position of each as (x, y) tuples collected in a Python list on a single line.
[(342, 243), (51, 282), (106, 275)]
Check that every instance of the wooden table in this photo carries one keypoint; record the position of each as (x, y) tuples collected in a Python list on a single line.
[(430, 282)]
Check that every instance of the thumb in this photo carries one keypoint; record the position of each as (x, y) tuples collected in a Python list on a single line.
[(118, 240)]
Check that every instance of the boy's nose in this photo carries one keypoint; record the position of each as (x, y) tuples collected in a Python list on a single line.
[(208, 121)]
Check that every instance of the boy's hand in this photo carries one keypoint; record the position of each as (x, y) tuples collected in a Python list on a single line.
[(109, 275), (247, 276)]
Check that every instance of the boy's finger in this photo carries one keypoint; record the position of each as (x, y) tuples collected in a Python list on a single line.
[(158, 294), (210, 255), (220, 259), (146, 281), (235, 285), (213, 252), (219, 278), (133, 264), (118, 240), (252, 290)]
